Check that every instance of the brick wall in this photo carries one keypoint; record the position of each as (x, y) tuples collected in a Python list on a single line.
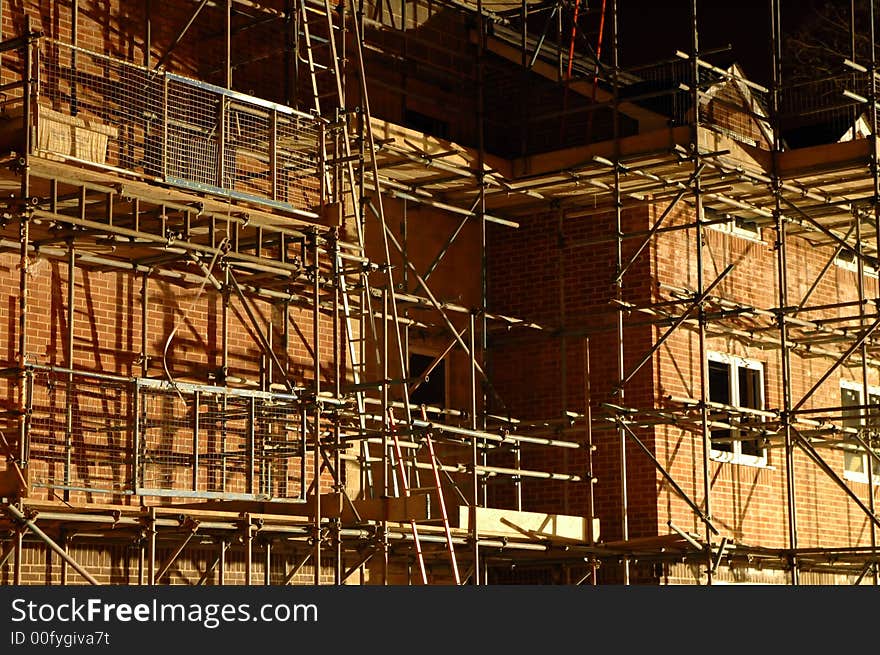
[(118, 29), (429, 69), (423, 231), (557, 270), (560, 274), (537, 275), (182, 332), (733, 108), (750, 504), (183, 341), (118, 563)]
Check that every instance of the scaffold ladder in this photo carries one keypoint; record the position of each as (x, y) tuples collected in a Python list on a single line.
[(321, 55)]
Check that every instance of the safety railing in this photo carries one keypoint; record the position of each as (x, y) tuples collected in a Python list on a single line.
[(101, 111)]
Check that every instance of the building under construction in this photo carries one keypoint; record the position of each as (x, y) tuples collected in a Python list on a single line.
[(431, 292)]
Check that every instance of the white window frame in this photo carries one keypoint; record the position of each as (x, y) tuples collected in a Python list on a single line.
[(860, 476), (730, 226), (735, 455)]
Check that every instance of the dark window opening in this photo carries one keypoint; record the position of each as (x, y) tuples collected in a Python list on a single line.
[(735, 225), (433, 390), (853, 460), (750, 396), (719, 392), (847, 256), (848, 260)]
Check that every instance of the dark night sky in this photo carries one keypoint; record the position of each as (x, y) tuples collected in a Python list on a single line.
[(653, 30)]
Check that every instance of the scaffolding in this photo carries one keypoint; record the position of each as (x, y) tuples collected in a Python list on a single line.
[(311, 473)]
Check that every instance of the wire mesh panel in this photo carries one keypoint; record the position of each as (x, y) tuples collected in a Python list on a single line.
[(79, 433), (148, 437), (108, 112), (193, 139), (225, 141), (165, 442), (98, 109), (206, 443), (248, 133), (228, 423), (658, 87), (279, 448), (296, 174)]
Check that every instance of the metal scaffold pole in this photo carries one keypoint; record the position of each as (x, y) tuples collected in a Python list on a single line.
[(782, 291), (24, 217), (870, 462), (618, 286), (866, 395), (235, 447), (475, 481), (478, 403), (317, 426), (563, 344), (699, 240)]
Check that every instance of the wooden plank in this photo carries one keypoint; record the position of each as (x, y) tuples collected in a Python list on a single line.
[(151, 193), (413, 508), (658, 141), (829, 156), (536, 525)]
